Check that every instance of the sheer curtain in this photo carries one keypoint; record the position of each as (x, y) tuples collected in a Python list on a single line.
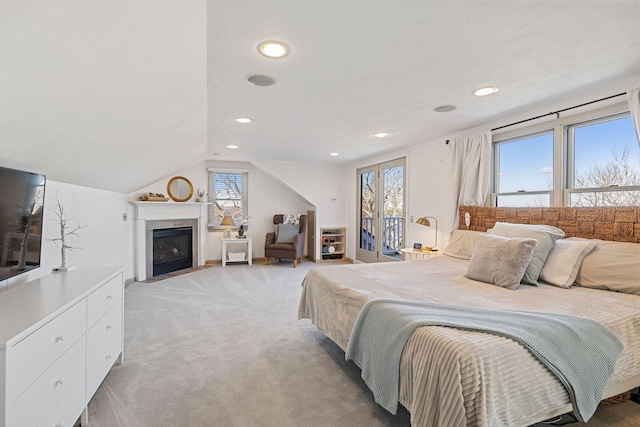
[(633, 96), (471, 170)]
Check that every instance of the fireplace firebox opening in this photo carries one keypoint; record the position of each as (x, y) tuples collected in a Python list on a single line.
[(172, 249)]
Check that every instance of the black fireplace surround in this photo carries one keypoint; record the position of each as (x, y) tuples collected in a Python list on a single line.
[(172, 249)]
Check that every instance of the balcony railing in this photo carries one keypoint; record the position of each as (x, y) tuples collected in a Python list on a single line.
[(392, 235)]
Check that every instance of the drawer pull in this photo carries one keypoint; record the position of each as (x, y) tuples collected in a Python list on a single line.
[(59, 423), (58, 382), (109, 327), (109, 297), (108, 357), (59, 338)]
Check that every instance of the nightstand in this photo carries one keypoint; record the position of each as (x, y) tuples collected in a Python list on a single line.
[(231, 256), (410, 252)]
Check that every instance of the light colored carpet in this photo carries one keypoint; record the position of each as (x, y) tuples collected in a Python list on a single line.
[(224, 347)]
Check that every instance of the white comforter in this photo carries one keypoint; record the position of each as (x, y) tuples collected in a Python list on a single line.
[(450, 377)]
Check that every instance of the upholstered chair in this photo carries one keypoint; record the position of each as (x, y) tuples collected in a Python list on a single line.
[(284, 242)]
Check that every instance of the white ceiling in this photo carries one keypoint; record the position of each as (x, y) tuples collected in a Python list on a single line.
[(361, 66), (118, 95)]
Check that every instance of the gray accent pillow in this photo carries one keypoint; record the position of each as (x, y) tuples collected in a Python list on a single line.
[(285, 233), (546, 235), (500, 260)]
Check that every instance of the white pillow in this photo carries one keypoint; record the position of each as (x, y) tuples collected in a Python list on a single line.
[(461, 243), (614, 266), (564, 261)]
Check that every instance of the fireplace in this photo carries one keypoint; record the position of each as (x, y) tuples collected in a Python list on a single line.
[(153, 216), (171, 246), (172, 250)]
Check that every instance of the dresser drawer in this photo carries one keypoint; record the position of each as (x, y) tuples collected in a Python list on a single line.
[(102, 299), (31, 407), (105, 328), (99, 367), (34, 354), (67, 411)]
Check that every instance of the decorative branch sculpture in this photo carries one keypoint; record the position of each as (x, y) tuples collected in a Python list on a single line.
[(65, 232)]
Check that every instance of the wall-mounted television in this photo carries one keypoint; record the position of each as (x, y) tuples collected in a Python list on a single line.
[(21, 213)]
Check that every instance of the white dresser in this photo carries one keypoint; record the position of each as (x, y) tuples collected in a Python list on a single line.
[(59, 337)]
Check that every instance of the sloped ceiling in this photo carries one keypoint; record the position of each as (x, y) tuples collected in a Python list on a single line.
[(108, 94), (118, 94)]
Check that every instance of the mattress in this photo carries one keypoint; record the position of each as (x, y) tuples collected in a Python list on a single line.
[(451, 377)]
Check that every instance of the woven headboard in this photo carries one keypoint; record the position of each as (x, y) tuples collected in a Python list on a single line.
[(621, 224)]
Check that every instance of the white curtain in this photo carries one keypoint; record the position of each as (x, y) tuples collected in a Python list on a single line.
[(471, 159), (633, 97)]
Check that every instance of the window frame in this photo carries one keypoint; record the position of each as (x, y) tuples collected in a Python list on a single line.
[(562, 151), (495, 166), (570, 176), (211, 173)]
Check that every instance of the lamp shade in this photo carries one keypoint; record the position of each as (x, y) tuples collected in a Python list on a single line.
[(425, 221), (227, 220)]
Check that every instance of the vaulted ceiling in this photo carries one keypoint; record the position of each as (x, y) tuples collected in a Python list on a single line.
[(119, 94)]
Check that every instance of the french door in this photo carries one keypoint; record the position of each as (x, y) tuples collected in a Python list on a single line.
[(381, 211)]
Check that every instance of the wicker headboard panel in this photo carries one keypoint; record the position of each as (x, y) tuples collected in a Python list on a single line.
[(621, 224)]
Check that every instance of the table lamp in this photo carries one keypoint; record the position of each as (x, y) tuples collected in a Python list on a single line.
[(228, 221), (425, 221)]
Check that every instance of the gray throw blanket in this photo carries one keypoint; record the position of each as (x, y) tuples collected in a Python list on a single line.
[(582, 353)]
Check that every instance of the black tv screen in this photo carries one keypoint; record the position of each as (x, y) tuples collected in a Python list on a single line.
[(21, 212)]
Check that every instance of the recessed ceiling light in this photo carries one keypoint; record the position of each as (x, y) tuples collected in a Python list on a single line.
[(334, 154), (243, 120), (444, 108), (273, 49), (260, 80), (380, 134), (484, 91), (233, 146)]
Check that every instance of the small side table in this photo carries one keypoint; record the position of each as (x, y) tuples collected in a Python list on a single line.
[(248, 255), (418, 253)]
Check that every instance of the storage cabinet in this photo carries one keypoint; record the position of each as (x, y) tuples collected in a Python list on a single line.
[(59, 337), (334, 243)]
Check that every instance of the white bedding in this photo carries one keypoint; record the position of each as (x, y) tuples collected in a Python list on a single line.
[(450, 377)]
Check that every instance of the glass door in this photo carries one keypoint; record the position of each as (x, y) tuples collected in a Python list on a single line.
[(381, 216)]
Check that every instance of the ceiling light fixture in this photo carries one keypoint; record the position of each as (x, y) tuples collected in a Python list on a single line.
[(260, 80), (334, 154), (484, 91), (243, 120), (273, 49), (380, 134), (233, 146), (444, 108)]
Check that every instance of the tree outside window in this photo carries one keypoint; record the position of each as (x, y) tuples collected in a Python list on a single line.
[(228, 194)]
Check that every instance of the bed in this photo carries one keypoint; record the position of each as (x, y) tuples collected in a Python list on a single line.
[(453, 377)]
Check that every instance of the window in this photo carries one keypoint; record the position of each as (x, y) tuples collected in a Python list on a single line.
[(606, 163), (590, 159), (229, 195), (524, 171)]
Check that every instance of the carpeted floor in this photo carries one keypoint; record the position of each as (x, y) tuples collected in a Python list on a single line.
[(223, 347)]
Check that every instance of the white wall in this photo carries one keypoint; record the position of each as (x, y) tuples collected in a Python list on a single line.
[(267, 197), (104, 239), (325, 186)]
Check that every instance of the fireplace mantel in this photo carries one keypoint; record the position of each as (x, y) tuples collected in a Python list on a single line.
[(145, 212)]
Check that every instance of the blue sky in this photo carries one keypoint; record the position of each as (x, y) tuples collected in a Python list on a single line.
[(526, 164)]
